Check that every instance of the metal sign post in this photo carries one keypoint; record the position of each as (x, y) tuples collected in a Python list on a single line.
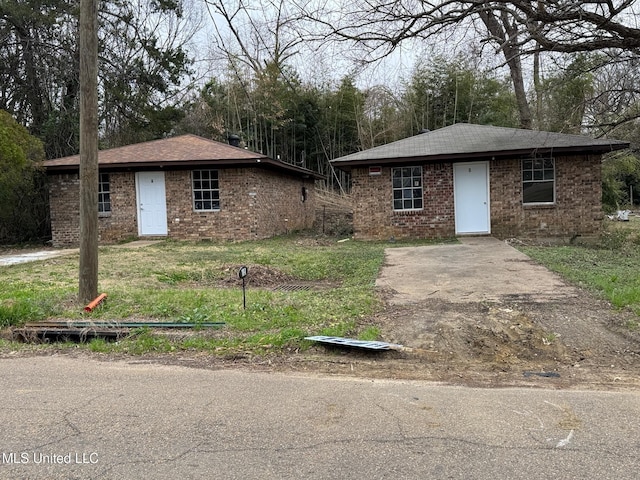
[(242, 273)]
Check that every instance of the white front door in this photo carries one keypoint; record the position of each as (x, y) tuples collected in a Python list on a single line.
[(471, 197), (152, 203)]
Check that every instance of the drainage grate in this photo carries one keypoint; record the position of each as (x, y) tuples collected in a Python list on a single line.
[(292, 288)]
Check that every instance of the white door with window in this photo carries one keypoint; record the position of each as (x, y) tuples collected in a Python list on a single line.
[(471, 197), (152, 203)]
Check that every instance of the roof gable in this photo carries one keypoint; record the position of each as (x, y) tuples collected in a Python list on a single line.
[(466, 141)]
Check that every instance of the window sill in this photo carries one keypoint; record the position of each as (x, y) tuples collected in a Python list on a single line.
[(104, 214), (408, 212), (539, 205)]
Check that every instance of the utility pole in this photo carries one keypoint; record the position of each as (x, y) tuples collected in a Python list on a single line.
[(88, 285)]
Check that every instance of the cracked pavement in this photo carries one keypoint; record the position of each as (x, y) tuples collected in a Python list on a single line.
[(131, 420)]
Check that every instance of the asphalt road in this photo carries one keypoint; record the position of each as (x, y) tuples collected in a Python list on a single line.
[(75, 418)]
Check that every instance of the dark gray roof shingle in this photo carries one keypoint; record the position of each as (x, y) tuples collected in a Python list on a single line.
[(466, 141)]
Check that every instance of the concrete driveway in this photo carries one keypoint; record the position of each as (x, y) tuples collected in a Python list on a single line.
[(33, 256), (45, 254), (476, 269)]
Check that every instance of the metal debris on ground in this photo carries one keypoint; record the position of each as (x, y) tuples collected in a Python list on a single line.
[(57, 334), (350, 342), (116, 324), (83, 331)]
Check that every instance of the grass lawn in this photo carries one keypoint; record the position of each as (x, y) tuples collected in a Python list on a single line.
[(197, 282), (610, 268)]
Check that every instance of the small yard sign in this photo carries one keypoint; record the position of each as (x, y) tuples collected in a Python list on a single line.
[(242, 273)]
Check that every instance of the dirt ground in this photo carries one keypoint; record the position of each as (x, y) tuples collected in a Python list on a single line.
[(481, 313), (580, 343)]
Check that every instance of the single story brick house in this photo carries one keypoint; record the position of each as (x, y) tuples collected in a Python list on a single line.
[(478, 180), (185, 187)]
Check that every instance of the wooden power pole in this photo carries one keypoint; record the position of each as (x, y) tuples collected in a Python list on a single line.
[(88, 285)]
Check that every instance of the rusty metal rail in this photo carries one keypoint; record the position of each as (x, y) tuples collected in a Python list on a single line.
[(82, 331)]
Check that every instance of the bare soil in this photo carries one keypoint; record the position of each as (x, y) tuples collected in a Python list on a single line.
[(580, 342), (479, 314), (554, 341)]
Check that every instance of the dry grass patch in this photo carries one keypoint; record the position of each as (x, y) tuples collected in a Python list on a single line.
[(198, 283)]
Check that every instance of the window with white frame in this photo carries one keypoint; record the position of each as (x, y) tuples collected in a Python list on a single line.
[(206, 191), (538, 180), (104, 194), (407, 188)]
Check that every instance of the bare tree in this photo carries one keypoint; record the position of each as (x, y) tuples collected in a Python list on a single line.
[(257, 41), (551, 25), (616, 96), (503, 31), (254, 35), (381, 120), (515, 28)]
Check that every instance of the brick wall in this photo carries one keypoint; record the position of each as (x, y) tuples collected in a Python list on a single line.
[(64, 199), (64, 205), (122, 222), (280, 204), (374, 217), (255, 203), (577, 210)]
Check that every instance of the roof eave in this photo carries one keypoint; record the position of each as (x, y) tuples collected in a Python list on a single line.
[(347, 165), (181, 164)]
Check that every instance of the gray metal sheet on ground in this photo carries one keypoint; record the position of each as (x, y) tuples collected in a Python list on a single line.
[(350, 342)]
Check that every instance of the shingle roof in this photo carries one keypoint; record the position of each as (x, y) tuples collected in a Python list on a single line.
[(466, 141), (182, 151)]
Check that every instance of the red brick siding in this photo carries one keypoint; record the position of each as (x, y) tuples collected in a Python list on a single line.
[(578, 207), (242, 216), (64, 205), (374, 217), (254, 204), (577, 211), (122, 222), (119, 224), (188, 224), (279, 204)]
